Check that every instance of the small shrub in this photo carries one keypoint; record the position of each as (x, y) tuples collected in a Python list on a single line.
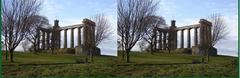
[(183, 50), (234, 62), (67, 50), (195, 61), (80, 61)]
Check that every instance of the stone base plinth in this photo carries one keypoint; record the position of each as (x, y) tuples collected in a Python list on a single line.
[(66, 50), (196, 50), (97, 51), (81, 50)]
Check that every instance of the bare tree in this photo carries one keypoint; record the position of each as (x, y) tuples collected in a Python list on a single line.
[(219, 31), (150, 34), (131, 21), (37, 22), (25, 45), (219, 28), (5, 47), (142, 45), (119, 47), (16, 21), (103, 31)]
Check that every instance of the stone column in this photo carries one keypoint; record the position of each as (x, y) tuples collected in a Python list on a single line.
[(43, 40), (175, 39), (56, 35), (182, 39), (79, 36), (173, 34), (88, 37), (48, 43), (59, 38), (189, 39), (65, 38), (160, 41), (205, 32), (165, 40), (195, 36), (172, 38), (155, 39), (72, 38), (53, 39), (93, 34), (210, 33), (38, 39), (85, 34)]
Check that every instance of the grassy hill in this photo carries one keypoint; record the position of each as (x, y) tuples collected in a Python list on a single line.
[(142, 65)]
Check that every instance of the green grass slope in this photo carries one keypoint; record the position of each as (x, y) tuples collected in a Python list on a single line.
[(142, 65)]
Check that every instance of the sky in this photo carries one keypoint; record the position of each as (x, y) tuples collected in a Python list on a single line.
[(188, 12), (185, 12), (70, 12)]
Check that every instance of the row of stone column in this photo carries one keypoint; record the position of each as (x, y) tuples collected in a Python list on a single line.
[(189, 37), (56, 37), (45, 41), (165, 41), (45, 34), (169, 39), (72, 37), (162, 40)]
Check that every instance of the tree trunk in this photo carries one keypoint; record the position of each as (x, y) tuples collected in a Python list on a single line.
[(151, 49), (11, 55), (168, 50), (123, 54), (128, 56), (6, 55), (207, 55), (208, 58), (92, 50), (35, 49), (52, 49)]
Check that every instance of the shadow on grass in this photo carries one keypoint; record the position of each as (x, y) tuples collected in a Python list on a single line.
[(132, 64), (45, 64)]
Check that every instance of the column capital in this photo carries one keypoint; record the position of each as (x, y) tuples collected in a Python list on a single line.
[(56, 24), (173, 23), (196, 27), (205, 22), (88, 22), (182, 29)]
